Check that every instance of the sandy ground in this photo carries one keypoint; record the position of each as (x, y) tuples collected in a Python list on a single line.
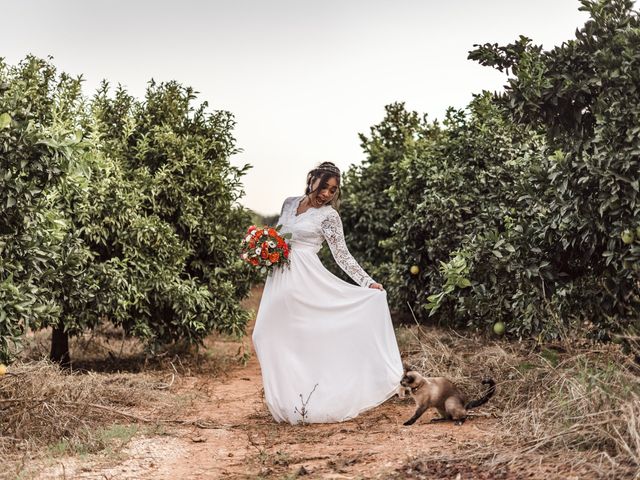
[(241, 440)]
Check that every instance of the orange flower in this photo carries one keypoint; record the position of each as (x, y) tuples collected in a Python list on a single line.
[(274, 257)]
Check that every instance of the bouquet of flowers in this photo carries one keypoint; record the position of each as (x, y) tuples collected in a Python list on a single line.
[(265, 248)]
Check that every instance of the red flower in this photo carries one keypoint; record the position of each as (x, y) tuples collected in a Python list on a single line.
[(262, 237)]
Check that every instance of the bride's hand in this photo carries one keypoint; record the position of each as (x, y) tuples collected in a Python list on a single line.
[(376, 285)]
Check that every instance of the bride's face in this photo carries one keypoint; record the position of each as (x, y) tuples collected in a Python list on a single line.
[(323, 193)]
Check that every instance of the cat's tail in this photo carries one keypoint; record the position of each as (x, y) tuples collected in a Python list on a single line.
[(482, 400)]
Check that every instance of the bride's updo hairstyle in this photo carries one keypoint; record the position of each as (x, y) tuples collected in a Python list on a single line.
[(324, 172)]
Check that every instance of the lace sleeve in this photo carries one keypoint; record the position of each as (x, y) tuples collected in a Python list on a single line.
[(332, 231)]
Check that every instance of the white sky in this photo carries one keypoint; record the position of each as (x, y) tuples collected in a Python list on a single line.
[(302, 77)]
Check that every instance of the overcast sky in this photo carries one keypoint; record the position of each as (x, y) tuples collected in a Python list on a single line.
[(302, 77)]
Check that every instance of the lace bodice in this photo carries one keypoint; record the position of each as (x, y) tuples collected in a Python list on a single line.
[(312, 227)]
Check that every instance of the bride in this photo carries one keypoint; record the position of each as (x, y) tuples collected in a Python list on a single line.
[(326, 348)]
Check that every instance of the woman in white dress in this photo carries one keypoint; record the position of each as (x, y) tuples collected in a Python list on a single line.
[(327, 348)]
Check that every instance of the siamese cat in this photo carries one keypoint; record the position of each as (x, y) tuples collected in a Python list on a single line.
[(440, 393)]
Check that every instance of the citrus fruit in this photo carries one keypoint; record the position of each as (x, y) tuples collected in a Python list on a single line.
[(627, 236)]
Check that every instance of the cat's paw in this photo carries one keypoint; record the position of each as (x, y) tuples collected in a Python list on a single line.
[(403, 392)]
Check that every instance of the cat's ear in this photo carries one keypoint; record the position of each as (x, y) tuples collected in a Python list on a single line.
[(405, 367)]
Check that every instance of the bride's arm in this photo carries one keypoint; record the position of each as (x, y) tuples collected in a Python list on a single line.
[(332, 231)]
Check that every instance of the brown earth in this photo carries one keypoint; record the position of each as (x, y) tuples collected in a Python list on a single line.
[(236, 437)]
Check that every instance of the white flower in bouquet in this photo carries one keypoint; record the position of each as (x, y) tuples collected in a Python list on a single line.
[(272, 244), (267, 263), (258, 250)]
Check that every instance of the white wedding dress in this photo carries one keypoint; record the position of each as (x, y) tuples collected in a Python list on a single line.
[(327, 348)]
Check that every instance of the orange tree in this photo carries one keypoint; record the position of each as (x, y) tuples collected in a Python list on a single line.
[(136, 209), (38, 145), (524, 206), (428, 187), (160, 217), (584, 95)]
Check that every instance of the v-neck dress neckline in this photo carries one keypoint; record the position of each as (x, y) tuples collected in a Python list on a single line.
[(295, 208)]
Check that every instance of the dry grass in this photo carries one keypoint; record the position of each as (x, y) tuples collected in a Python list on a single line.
[(115, 389), (46, 412), (42, 405), (574, 399)]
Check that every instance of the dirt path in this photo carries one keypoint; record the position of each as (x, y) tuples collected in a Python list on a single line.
[(250, 443), (241, 440), (230, 434)]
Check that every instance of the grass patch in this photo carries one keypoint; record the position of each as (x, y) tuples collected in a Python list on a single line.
[(550, 356), (49, 413), (109, 439), (526, 366), (118, 435)]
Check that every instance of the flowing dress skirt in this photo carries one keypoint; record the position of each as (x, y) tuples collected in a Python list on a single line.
[(327, 348)]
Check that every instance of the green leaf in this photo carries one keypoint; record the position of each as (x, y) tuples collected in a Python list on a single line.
[(5, 120)]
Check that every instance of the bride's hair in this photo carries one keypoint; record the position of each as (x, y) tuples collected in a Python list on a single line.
[(324, 172)]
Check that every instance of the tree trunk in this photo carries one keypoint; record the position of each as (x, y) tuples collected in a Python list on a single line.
[(60, 347)]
